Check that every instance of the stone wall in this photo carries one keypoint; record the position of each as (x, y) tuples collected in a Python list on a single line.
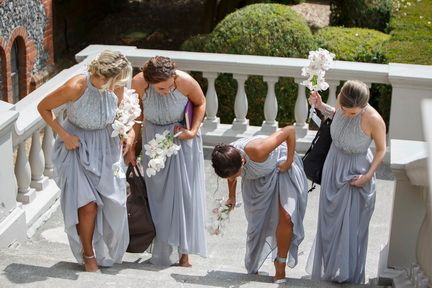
[(29, 22)]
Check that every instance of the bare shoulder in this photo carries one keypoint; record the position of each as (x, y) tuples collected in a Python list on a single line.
[(76, 86), (374, 119), (184, 80), (139, 84)]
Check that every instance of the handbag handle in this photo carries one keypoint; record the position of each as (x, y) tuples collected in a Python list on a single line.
[(137, 173)]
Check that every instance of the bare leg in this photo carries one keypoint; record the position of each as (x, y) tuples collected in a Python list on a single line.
[(284, 234), (85, 228), (184, 261)]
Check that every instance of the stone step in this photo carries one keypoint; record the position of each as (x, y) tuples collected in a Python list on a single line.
[(45, 260)]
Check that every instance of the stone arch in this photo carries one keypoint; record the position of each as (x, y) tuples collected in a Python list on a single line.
[(18, 68), (3, 72), (27, 56)]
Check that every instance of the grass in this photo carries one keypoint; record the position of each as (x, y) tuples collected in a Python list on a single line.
[(411, 32)]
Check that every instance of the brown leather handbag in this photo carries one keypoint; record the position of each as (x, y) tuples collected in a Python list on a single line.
[(141, 227)]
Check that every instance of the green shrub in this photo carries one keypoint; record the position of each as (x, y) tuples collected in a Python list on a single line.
[(373, 14), (195, 43), (360, 45), (259, 29), (411, 33), (262, 29), (353, 44)]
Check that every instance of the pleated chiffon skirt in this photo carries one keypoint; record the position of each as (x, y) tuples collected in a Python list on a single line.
[(177, 199), (94, 173), (339, 250), (262, 197)]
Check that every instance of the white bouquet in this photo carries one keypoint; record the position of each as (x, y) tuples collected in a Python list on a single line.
[(158, 149), (128, 110), (320, 61), (220, 215)]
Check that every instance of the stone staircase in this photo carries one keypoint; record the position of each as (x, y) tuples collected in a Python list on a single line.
[(45, 260)]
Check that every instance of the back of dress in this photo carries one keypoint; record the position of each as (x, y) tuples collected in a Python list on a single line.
[(252, 169), (347, 133)]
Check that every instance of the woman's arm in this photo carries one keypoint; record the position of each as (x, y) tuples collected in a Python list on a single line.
[(190, 87), (68, 92), (139, 85), (258, 150), (232, 185), (378, 134), (316, 101)]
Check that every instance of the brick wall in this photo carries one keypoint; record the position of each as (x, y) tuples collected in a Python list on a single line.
[(31, 29)]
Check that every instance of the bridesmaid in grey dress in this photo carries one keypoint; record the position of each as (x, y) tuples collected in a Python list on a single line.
[(85, 158), (347, 196), (274, 190), (177, 192)]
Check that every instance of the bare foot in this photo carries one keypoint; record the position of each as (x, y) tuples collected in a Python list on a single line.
[(280, 271), (90, 264), (184, 261)]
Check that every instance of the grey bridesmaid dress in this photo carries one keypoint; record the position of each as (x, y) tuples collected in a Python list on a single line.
[(264, 187), (87, 174), (339, 250), (176, 193)]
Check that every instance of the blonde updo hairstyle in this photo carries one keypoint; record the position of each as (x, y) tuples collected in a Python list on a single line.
[(112, 65)]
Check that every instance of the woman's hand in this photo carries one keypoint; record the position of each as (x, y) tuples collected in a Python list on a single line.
[(130, 158), (360, 180), (71, 142), (285, 165), (315, 100), (127, 144), (185, 134), (231, 203)]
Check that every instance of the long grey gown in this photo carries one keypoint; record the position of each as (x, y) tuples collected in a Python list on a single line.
[(264, 187), (339, 251), (86, 175), (177, 192)]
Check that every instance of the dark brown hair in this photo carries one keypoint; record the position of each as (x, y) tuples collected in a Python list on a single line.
[(354, 94), (226, 160), (158, 69)]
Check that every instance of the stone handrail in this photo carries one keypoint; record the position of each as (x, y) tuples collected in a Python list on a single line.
[(411, 84)]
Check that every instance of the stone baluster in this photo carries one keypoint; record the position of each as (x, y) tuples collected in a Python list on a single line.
[(331, 100), (211, 121), (240, 123), (23, 176), (37, 163), (47, 146), (301, 111), (270, 124)]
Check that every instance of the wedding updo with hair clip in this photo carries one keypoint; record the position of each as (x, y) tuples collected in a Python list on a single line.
[(112, 65), (158, 69), (226, 160)]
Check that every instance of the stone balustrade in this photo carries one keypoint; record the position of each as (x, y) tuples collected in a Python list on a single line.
[(28, 190)]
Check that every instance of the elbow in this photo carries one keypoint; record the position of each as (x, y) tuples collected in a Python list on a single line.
[(40, 108)]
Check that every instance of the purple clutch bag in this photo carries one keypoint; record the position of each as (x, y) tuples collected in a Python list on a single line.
[(188, 114)]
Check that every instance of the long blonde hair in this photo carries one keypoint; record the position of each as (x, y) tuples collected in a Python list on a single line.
[(112, 65)]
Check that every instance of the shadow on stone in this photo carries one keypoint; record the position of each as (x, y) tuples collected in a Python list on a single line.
[(221, 279), (24, 273), (135, 265), (227, 279)]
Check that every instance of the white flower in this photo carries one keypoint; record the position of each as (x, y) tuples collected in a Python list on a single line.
[(126, 113), (158, 149), (220, 215), (319, 62)]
